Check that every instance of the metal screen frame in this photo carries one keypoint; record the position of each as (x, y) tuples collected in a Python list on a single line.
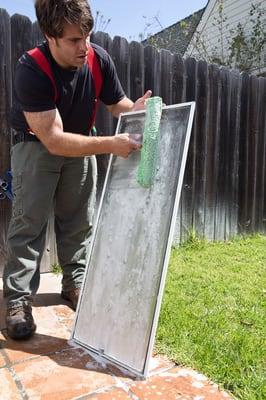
[(143, 373)]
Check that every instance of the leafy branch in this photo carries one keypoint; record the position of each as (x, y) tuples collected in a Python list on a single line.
[(243, 49)]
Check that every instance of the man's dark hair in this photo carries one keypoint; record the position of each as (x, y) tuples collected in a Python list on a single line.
[(53, 14)]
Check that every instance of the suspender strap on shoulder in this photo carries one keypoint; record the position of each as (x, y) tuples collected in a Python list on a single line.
[(44, 65), (95, 69), (93, 65)]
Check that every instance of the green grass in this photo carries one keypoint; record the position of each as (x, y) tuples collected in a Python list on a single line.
[(56, 269), (213, 313)]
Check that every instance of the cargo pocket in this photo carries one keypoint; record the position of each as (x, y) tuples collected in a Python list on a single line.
[(17, 205)]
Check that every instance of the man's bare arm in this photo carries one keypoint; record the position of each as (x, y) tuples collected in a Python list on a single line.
[(48, 127), (126, 105)]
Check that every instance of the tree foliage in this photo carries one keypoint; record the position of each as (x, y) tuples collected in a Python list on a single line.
[(241, 47)]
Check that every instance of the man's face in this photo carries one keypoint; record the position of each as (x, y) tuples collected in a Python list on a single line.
[(70, 51)]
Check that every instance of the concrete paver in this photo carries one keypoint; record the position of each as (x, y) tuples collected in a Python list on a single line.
[(8, 387), (66, 376), (112, 394), (49, 367), (175, 382), (2, 361)]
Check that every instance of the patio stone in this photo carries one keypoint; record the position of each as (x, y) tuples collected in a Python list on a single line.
[(61, 376), (113, 394), (2, 361), (178, 383), (8, 387)]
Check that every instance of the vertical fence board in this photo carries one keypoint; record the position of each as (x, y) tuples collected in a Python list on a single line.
[(151, 63), (260, 222), (243, 155), (212, 151), (166, 81), (233, 152), (136, 63), (178, 80), (120, 56), (253, 151), (188, 195), (223, 165), (37, 36), (5, 104), (21, 38), (201, 154), (179, 96)]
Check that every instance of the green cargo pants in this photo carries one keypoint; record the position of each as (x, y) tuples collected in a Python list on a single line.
[(43, 182)]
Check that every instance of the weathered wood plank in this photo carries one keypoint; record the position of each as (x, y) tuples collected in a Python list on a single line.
[(5, 105), (166, 81), (120, 56), (253, 152), (261, 165), (151, 65), (178, 76), (21, 38), (201, 154), (136, 61), (212, 150), (37, 36), (223, 187), (243, 221), (188, 198), (233, 155), (178, 80)]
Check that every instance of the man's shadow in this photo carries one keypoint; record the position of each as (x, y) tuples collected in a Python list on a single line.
[(49, 299), (56, 348)]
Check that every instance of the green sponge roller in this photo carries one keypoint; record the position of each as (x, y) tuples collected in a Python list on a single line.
[(151, 135)]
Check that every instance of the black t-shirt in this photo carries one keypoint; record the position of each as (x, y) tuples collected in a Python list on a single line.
[(34, 91)]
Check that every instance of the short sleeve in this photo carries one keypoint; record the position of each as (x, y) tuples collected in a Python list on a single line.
[(112, 91), (33, 89)]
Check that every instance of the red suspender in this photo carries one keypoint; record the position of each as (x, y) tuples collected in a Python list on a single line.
[(94, 67), (44, 65)]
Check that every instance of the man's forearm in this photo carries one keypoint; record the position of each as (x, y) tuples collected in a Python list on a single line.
[(124, 105), (74, 145)]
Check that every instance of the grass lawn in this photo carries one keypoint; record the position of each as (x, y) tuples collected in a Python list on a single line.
[(213, 315)]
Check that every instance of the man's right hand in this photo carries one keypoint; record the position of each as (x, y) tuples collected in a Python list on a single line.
[(123, 145), (48, 127)]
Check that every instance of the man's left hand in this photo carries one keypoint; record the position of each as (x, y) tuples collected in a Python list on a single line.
[(140, 103)]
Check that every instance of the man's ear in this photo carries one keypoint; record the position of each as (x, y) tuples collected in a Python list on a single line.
[(50, 39)]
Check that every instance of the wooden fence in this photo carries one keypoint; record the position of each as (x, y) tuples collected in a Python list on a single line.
[(224, 185)]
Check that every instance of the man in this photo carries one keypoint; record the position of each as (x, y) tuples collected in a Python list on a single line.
[(49, 158)]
